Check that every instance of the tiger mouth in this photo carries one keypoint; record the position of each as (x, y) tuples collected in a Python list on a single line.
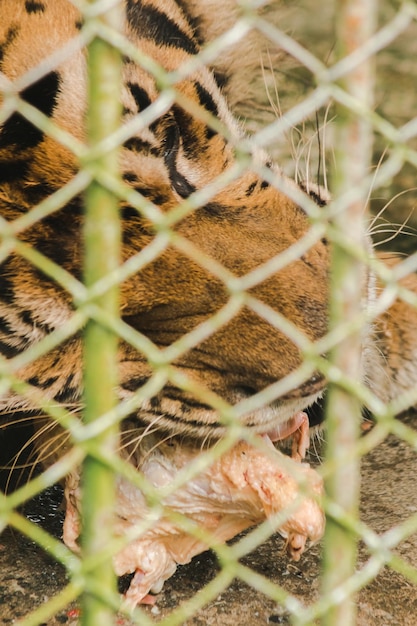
[(179, 412), (182, 416)]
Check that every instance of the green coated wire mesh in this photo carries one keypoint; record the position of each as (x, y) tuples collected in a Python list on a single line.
[(101, 436)]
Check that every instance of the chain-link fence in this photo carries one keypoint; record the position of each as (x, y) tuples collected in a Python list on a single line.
[(195, 490)]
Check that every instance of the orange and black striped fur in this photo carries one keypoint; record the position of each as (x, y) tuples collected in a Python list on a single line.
[(243, 226)]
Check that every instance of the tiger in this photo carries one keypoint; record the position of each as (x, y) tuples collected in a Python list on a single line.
[(256, 216)]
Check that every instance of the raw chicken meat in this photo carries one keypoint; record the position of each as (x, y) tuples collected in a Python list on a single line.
[(242, 488)]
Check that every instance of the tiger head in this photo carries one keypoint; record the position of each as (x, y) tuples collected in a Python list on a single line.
[(175, 153)]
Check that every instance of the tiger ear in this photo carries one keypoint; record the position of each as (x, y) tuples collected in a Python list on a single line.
[(319, 194), (242, 59)]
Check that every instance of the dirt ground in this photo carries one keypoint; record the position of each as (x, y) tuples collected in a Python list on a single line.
[(28, 577)]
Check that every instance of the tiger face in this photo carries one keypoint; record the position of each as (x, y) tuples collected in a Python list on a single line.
[(241, 226)]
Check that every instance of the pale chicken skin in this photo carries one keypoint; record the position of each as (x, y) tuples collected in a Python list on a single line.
[(242, 488)]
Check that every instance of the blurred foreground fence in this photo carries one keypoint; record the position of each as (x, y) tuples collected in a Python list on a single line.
[(349, 84)]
